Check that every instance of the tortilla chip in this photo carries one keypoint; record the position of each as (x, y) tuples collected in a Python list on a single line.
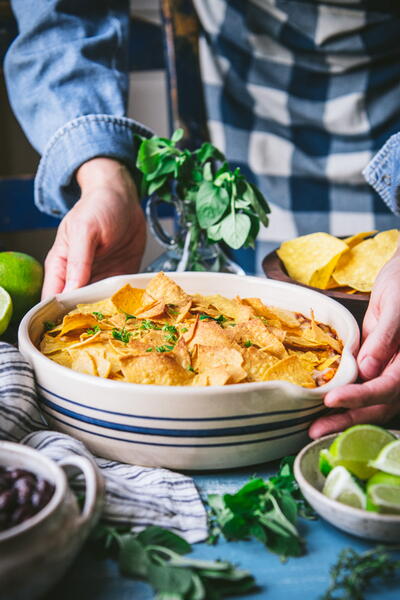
[(63, 358), (105, 307), (209, 333), (207, 357), (353, 240), (163, 288), (128, 299), (83, 362), (155, 309), (257, 362), (78, 321), (156, 369), (360, 267), (181, 353), (256, 332), (291, 369), (235, 309), (212, 376), (311, 259), (285, 317)]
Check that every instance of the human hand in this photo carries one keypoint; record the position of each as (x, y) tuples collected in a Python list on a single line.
[(377, 399), (104, 233)]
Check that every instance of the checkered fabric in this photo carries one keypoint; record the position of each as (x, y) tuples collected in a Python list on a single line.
[(301, 95)]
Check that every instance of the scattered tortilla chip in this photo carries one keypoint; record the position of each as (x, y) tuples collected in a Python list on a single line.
[(213, 376), (83, 362), (255, 332), (234, 309), (285, 317), (311, 259), (291, 369), (257, 362), (360, 267), (150, 311)]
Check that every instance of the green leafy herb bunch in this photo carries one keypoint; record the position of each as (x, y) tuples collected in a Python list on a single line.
[(214, 202)]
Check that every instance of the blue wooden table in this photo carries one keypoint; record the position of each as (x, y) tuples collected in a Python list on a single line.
[(304, 578)]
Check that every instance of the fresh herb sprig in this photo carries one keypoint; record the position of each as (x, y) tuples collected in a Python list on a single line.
[(263, 509), (213, 198), (157, 556), (355, 572), (93, 330)]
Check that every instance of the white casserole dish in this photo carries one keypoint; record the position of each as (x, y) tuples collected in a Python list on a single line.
[(186, 427)]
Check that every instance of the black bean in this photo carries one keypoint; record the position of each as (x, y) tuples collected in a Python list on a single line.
[(8, 500), (21, 514), (24, 487)]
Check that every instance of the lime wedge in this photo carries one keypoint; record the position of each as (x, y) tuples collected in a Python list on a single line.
[(357, 446), (383, 493), (340, 486), (388, 459), (6, 310)]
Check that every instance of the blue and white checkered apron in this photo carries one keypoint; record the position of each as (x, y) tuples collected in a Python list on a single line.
[(301, 95)]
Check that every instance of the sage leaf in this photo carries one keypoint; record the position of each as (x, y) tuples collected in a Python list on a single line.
[(133, 559), (158, 536), (167, 579)]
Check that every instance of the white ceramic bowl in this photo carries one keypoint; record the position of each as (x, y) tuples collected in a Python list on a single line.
[(362, 523), (180, 427), (38, 551)]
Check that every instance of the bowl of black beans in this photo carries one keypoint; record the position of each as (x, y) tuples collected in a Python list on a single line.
[(42, 526)]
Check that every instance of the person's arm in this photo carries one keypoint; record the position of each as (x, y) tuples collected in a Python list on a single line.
[(67, 80), (377, 399)]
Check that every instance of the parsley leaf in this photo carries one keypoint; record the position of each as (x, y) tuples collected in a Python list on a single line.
[(99, 316), (158, 556), (165, 348), (121, 334), (48, 325), (221, 319), (146, 324), (248, 343), (149, 349), (93, 330), (127, 317)]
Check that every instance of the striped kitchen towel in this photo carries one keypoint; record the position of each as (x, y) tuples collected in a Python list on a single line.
[(140, 496)]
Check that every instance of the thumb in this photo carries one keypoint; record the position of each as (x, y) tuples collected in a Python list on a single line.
[(81, 251), (380, 344)]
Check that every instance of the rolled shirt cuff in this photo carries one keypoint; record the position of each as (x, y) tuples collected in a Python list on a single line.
[(78, 141), (383, 173)]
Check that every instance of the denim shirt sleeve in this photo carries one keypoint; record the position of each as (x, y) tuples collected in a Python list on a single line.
[(383, 173), (67, 80)]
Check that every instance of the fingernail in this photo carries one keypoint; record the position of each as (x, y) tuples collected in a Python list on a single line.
[(370, 367)]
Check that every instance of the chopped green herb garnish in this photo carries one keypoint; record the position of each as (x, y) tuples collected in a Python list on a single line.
[(122, 335), (99, 316), (172, 310), (184, 329), (165, 348), (48, 325), (170, 329), (190, 368), (149, 349), (248, 343), (127, 317), (94, 330), (221, 319), (171, 333), (146, 324), (157, 556)]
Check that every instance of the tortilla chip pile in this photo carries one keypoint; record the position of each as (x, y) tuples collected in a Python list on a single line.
[(162, 335), (326, 262)]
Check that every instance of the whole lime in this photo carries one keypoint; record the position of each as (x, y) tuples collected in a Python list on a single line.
[(22, 276)]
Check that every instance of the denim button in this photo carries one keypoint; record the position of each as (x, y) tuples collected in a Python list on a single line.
[(386, 179)]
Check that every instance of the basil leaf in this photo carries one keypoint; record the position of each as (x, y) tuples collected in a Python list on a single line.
[(149, 155), (235, 229), (207, 152), (211, 204), (214, 232), (156, 185)]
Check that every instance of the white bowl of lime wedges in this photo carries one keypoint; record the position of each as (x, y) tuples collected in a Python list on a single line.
[(352, 480)]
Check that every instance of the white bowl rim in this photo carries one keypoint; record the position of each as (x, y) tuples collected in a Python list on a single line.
[(181, 391), (60, 488), (357, 512)]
